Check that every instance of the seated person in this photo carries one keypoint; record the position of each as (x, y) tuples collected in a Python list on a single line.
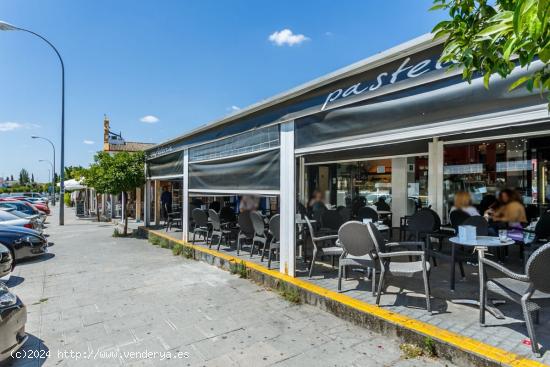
[(381, 204), (463, 201)]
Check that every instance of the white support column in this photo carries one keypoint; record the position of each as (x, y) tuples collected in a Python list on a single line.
[(399, 189), (287, 199), (302, 180), (185, 194), (435, 175), (147, 203)]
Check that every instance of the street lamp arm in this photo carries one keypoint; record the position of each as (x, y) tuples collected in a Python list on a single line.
[(49, 43)]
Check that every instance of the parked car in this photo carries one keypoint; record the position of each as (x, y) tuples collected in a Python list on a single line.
[(23, 242), (23, 207), (13, 317), (38, 206), (6, 261), (37, 223), (8, 219)]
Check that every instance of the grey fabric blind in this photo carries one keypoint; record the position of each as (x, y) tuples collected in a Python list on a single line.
[(167, 165), (251, 141), (251, 172)]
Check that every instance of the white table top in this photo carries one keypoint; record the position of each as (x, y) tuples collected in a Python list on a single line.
[(383, 212), (483, 241)]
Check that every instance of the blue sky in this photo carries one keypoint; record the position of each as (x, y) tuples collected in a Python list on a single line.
[(184, 62)]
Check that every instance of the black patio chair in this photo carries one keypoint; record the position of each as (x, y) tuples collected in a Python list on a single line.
[(531, 290), (246, 230), (457, 217), (345, 213), (330, 221), (274, 241), (217, 229), (400, 269), (481, 224), (201, 224), (541, 235), (367, 212)]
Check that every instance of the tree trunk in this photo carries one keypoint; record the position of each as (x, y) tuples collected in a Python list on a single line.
[(97, 205), (125, 197)]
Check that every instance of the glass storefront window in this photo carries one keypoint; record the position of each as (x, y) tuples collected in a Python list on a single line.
[(365, 182), (483, 169)]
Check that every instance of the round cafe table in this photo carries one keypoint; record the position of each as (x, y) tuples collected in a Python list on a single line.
[(481, 244)]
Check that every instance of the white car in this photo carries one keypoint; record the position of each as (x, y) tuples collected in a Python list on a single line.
[(9, 219)]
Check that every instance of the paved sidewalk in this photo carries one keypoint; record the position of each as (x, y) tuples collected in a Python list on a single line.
[(103, 298)]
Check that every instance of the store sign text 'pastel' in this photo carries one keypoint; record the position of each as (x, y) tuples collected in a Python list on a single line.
[(405, 71)]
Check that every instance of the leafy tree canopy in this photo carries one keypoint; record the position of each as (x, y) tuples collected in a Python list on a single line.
[(491, 36), (117, 173)]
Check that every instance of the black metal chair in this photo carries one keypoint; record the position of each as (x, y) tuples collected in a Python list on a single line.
[(227, 215), (217, 229), (531, 290), (457, 217), (345, 213), (275, 240), (330, 221), (481, 224), (246, 230), (541, 234), (201, 224), (367, 212)]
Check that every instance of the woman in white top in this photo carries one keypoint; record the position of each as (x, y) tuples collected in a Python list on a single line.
[(463, 202)]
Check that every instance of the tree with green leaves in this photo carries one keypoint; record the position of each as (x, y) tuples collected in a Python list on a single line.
[(74, 172), (96, 177), (117, 174), (23, 177), (494, 37)]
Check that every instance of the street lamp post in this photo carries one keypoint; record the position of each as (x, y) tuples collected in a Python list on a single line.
[(53, 165), (8, 27), (53, 177)]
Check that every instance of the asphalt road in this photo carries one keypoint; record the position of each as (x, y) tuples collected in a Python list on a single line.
[(95, 300)]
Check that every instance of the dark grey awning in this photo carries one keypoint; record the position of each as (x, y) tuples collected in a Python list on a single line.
[(166, 166), (257, 172), (439, 101)]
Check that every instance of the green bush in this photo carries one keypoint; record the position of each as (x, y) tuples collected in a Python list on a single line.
[(177, 249), (67, 199), (238, 268), (188, 252), (164, 243), (155, 241), (289, 293)]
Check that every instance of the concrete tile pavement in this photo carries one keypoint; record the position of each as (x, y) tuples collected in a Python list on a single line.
[(96, 300)]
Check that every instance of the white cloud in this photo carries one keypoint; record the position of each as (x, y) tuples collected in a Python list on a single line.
[(234, 108), (11, 126), (286, 37), (88, 142), (329, 34), (149, 119)]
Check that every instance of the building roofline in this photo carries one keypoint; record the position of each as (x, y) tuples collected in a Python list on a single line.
[(414, 45)]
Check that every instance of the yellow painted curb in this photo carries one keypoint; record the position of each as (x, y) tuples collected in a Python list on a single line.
[(461, 342)]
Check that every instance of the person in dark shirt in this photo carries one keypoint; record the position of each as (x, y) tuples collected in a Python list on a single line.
[(166, 202)]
